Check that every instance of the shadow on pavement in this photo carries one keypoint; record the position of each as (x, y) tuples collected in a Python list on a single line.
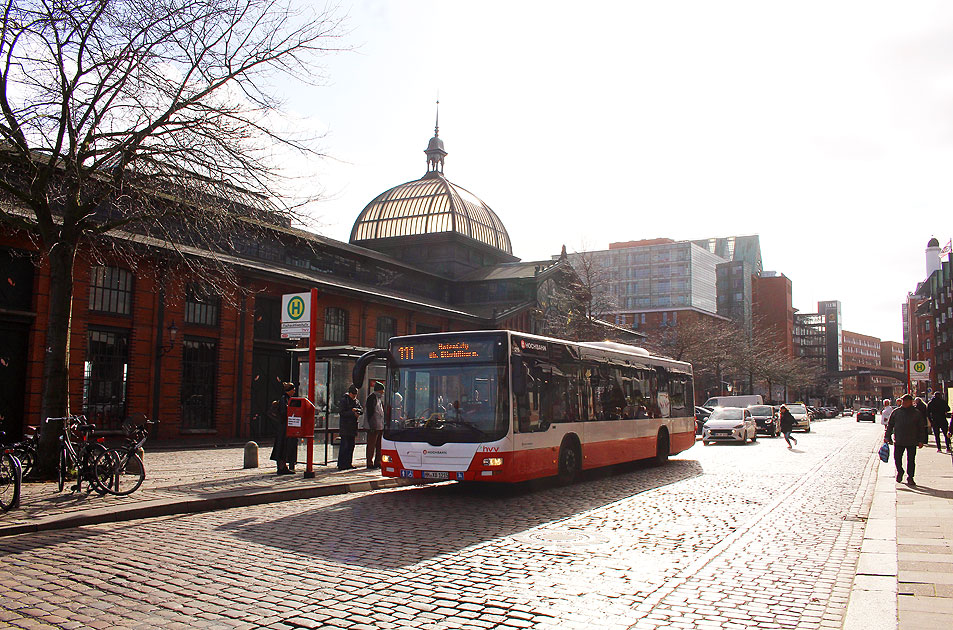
[(370, 530), (920, 489)]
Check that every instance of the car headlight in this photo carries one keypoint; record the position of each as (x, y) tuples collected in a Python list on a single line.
[(740, 426)]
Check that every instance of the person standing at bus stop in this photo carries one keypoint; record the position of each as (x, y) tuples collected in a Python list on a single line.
[(350, 412), (285, 451), (375, 425)]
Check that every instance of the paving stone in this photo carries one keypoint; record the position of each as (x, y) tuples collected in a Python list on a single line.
[(719, 536)]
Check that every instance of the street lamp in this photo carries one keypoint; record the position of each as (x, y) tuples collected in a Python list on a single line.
[(173, 331)]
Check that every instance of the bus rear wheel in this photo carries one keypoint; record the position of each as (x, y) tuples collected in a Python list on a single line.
[(568, 463)]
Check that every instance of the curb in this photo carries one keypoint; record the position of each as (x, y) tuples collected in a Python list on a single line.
[(166, 507), (873, 597)]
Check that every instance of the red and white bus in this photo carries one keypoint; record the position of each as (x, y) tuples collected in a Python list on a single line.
[(504, 406)]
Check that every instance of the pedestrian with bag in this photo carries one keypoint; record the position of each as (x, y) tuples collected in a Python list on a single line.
[(937, 410), (350, 410), (374, 422), (786, 422), (285, 451), (905, 430)]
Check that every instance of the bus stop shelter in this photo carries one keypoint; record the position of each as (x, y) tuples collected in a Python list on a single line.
[(332, 369)]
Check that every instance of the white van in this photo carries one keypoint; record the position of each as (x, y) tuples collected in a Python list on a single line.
[(734, 401)]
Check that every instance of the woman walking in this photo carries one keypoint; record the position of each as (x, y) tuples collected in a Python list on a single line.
[(786, 420)]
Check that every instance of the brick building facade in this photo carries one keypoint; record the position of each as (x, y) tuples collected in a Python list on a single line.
[(149, 338)]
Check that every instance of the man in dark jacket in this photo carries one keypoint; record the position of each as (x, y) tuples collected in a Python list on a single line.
[(285, 451), (937, 410), (905, 430), (350, 411), (375, 425)]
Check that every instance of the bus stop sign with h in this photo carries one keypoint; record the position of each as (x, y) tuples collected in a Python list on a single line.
[(299, 319)]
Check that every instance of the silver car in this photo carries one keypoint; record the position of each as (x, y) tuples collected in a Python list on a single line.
[(729, 424)]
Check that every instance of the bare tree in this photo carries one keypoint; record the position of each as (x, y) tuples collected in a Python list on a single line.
[(593, 283), (705, 342), (152, 117)]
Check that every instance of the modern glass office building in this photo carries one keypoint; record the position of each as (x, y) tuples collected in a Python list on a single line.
[(708, 275)]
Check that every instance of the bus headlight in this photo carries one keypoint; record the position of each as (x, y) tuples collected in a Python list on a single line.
[(493, 461), (386, 459)]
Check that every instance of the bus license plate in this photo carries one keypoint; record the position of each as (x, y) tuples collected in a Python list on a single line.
[(436, 475)]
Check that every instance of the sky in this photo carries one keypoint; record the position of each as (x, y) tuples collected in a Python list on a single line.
[(824, 127)]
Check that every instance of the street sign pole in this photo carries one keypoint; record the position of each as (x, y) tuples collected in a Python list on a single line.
[(312, 342)]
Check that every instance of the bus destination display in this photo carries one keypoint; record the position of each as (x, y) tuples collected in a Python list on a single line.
[(445, 351)]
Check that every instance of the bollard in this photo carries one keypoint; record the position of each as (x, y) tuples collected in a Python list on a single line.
[(251, 455)]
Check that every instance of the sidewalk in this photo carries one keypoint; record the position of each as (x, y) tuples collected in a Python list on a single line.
[(188, 481), (925, 543), (905, 574)]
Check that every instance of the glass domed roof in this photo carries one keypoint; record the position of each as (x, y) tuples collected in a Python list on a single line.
[(430, 205)]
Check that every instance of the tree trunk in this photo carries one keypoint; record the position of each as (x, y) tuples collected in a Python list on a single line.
[(54, 402)]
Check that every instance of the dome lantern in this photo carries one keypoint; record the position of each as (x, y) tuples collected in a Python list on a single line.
[(435, 151)]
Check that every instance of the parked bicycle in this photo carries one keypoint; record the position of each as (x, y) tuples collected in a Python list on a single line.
[(25, 451), (121, 468), (79, 452), (11, 478)]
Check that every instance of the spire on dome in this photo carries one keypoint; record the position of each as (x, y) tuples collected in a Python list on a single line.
[(435, 151)]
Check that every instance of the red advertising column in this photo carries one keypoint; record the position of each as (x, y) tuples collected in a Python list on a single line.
[(312, 342)]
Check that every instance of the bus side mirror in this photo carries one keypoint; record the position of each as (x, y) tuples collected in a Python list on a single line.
[(519, 375)]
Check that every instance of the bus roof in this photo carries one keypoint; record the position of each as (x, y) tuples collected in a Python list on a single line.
[(606, 350)]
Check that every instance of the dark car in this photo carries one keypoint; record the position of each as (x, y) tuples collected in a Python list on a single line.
[(766, 419), (701, 414), (867, 414)]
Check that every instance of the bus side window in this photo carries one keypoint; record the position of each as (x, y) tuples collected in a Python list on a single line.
[(545, 397), (585, 389), (647, 406), (529, 403), (598, 384), (564, 385)]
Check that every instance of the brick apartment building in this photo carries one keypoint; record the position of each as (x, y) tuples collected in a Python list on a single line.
[(773, 310)]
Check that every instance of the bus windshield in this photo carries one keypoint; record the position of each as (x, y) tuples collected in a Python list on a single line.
[(447, 403)]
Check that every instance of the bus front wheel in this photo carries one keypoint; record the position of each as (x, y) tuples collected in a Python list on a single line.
[(568, 463)]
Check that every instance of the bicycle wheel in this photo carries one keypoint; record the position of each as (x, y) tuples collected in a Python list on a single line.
[(9, 481), (127, 472), (97, 480), (61, 470), (27, 457)]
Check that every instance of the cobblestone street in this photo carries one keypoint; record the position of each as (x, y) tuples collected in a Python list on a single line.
[(725, 536)]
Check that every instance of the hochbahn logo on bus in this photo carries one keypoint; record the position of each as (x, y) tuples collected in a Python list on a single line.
[(533, 346)]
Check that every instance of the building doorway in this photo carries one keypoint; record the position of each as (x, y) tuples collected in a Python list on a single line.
[(14, 350), (270, 367)]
